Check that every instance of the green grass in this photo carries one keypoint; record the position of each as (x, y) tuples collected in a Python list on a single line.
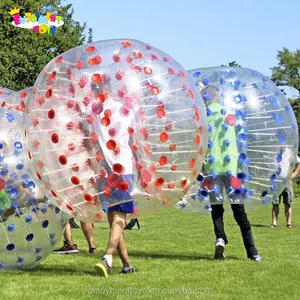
[(173, 250)]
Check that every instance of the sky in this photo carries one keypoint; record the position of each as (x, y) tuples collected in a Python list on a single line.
[(200, 33)]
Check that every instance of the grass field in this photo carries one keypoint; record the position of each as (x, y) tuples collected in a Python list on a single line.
[(173, 255)]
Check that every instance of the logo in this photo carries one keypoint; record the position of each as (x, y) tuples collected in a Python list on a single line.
[(39, 23)]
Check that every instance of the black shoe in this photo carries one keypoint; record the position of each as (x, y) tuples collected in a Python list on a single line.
[(73, 224), (93, 251), (131, 270), (132, 223)]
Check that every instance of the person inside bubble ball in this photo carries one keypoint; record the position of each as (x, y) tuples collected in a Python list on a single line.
[(116, 177), (287, 196), (220, 173)]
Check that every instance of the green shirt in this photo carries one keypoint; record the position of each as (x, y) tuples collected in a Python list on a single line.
[(218, 136)]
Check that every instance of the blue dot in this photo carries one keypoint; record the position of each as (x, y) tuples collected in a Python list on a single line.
[(44, 209), (45, 224), (242, 157), (210, 144), (10, 247), (229, 174), (28, 219), (227, 158), (18, 145), (238, 99), (215, 190), (241, 175), (264, 193), (208, 112), (226, 143), (223, 111), (279, 158), (29, 237), (278, 171), (31, 185), (11, 227), (202, 193), (14, 193), (1, 146), (10, 117), (193, 197), (1, 266), (20, 260), (197, 74), (237, 192), (52, 236), (14, 204), (213, 174), (57, 210), (38, 250), (205, 81), (208, 207), (224, 127), (211, 159), (273, 177), (265, 200), (20, 166), (24, 184), (273, 187), (210, 128), (4, 172), (200, 177), (222, 80)]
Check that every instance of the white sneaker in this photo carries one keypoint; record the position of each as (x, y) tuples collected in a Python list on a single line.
[(220, 249)]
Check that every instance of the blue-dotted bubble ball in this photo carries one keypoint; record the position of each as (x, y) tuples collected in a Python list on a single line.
[(252, 142)]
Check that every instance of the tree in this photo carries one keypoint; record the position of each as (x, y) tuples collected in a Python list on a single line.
[(90, 35), (23, 53), (287, 73), (232, 64)]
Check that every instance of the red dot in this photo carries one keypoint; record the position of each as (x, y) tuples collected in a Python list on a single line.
[(163, 160), (171, 71), (70, 104), (69, 207), (95, 61), (118, 168), (52, 75), (107, 113), (88, 197), (134, 148), (197, 116), (69, 125), (230, 119), (130, 130), (97, 108), (48, 93), (160, 112), (207, 184), (139, 166), (154, 90), (181, 73), (159, 181), (55, 138), (99, 156), (123, 186), (79, 64), (2, 184), (38, 175), (98, 78), (172, 147), (111, 145), (164, 137), (53, 193), (107, 191), (24, 94), (29, 155), (148, 70), (113, 180), (154, 56), (105, 121), (75, 180), (191, 94), (59, 59), (75, 168), (63, 160), (119, 75), (112, 132), (173, 167), (51, 114), (235, 182), (126, 43), (90, 119), (101, 98), (198, 140), (99, 216), (116, 57), (90, 49), (137, 55), (171, 185), (192, 163)]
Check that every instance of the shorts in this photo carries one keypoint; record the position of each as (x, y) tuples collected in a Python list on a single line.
[(287, 196), (123, 200)]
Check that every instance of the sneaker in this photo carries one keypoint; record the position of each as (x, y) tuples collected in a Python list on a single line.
[(273, 225), (256, 258), (220, 249), (67, 249), (128, 270), (93, 251), (289, 225), (103, 269), (73, 224), (132, 223)]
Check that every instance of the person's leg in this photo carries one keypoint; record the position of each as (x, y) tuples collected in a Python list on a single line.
[(69, 247), (217, 218), (122, 251), (88, 231), (288, 214), (275, 213), (244, 224)]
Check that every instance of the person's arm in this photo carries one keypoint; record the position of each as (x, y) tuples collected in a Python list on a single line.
[(296, 172)]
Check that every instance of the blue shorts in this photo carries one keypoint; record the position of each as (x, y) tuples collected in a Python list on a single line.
[(122, 199)]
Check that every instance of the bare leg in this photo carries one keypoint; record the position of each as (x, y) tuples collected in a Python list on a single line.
[(122, 250), (88, 231), (288, 213), (275, 213), (68, 235)]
